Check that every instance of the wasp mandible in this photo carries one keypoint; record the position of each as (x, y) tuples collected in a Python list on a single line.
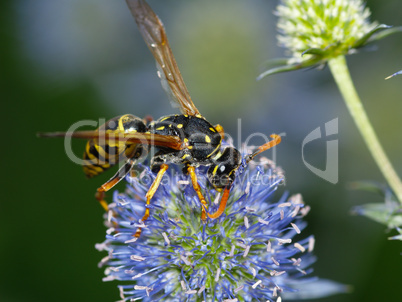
[(187, 139)]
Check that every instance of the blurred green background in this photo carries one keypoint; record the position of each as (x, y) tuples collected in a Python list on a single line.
[(63, 61)]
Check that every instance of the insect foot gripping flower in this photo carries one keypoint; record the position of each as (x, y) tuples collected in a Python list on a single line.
[(246, 254), (314, 31)]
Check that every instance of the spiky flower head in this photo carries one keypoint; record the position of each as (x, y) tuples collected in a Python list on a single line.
[(314, 31), (248, 253), (322, 24)]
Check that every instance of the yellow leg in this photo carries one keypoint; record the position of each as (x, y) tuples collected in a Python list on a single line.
[(197, 189), (100, 196), (222, 204), (100, 193), (150, 194)]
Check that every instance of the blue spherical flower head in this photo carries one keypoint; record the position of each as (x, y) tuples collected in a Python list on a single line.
[(248, 253)]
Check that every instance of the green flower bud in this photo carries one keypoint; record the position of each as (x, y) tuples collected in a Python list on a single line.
[(322, 24), (314, 31)]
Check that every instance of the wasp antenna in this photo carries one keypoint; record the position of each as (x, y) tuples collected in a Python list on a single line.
[(51, 134), (77, 134), (276, 139)]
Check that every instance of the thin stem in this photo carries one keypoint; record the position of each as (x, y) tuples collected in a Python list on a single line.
[(342, 78)]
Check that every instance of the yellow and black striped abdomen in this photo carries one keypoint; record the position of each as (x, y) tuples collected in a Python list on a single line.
[(100, 155)]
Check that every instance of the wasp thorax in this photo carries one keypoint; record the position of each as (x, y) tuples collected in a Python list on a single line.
[(222, 172)]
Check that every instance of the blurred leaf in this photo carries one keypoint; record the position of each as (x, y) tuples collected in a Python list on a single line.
[(385, 213), (316, 289), (278, 70), (315, 51), (397, 237), (369, 37), (368, 186), (384, 33), (276, 62), (388, 213), (312, 62)]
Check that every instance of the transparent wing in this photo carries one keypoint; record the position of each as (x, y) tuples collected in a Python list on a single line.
[(172, 142), (154, 34)]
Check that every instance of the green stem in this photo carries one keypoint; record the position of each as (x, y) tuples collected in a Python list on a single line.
[(342, 78)]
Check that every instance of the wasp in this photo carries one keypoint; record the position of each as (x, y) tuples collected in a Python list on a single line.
[(187, 139)]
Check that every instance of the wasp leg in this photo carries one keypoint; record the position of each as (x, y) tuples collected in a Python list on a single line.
[(197, 189), (222, 204), (219, 128), (121, 173), (150, 194)]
